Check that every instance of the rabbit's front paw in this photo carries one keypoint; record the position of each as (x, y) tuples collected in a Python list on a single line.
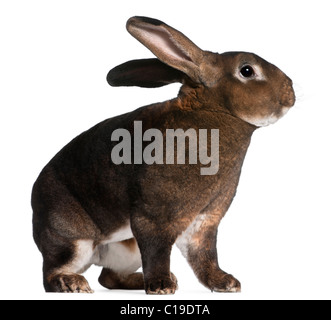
[(227, 283), (161, 286)]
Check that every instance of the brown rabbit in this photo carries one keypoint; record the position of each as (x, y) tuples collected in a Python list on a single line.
[(90, 210)]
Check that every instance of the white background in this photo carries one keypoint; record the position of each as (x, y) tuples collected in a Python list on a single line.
[(54, 59)]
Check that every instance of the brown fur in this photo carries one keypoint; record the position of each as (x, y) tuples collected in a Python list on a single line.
[(82, 199)]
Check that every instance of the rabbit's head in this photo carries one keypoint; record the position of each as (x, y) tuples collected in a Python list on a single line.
[(239, 83)]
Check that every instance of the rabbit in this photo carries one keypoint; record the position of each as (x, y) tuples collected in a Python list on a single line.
[(88, 210)]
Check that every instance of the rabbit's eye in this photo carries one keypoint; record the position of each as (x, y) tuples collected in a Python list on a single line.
[(247, 71)]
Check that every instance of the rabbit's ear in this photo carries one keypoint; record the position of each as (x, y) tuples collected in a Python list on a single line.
[(147, 73), (169, 45)]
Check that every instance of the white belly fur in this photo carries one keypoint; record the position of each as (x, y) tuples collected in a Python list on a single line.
[(110, 253), (121, 234), (118, 257)]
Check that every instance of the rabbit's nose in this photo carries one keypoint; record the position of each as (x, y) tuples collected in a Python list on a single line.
[(287, 94)]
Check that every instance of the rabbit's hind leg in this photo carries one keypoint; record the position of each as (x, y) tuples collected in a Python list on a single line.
[(120, 260), (112, 280)]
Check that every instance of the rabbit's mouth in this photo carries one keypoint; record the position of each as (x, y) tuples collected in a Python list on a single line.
[(268, 120), (274, 118)]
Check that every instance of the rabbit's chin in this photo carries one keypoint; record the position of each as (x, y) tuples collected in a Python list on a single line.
[(266, 121)]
